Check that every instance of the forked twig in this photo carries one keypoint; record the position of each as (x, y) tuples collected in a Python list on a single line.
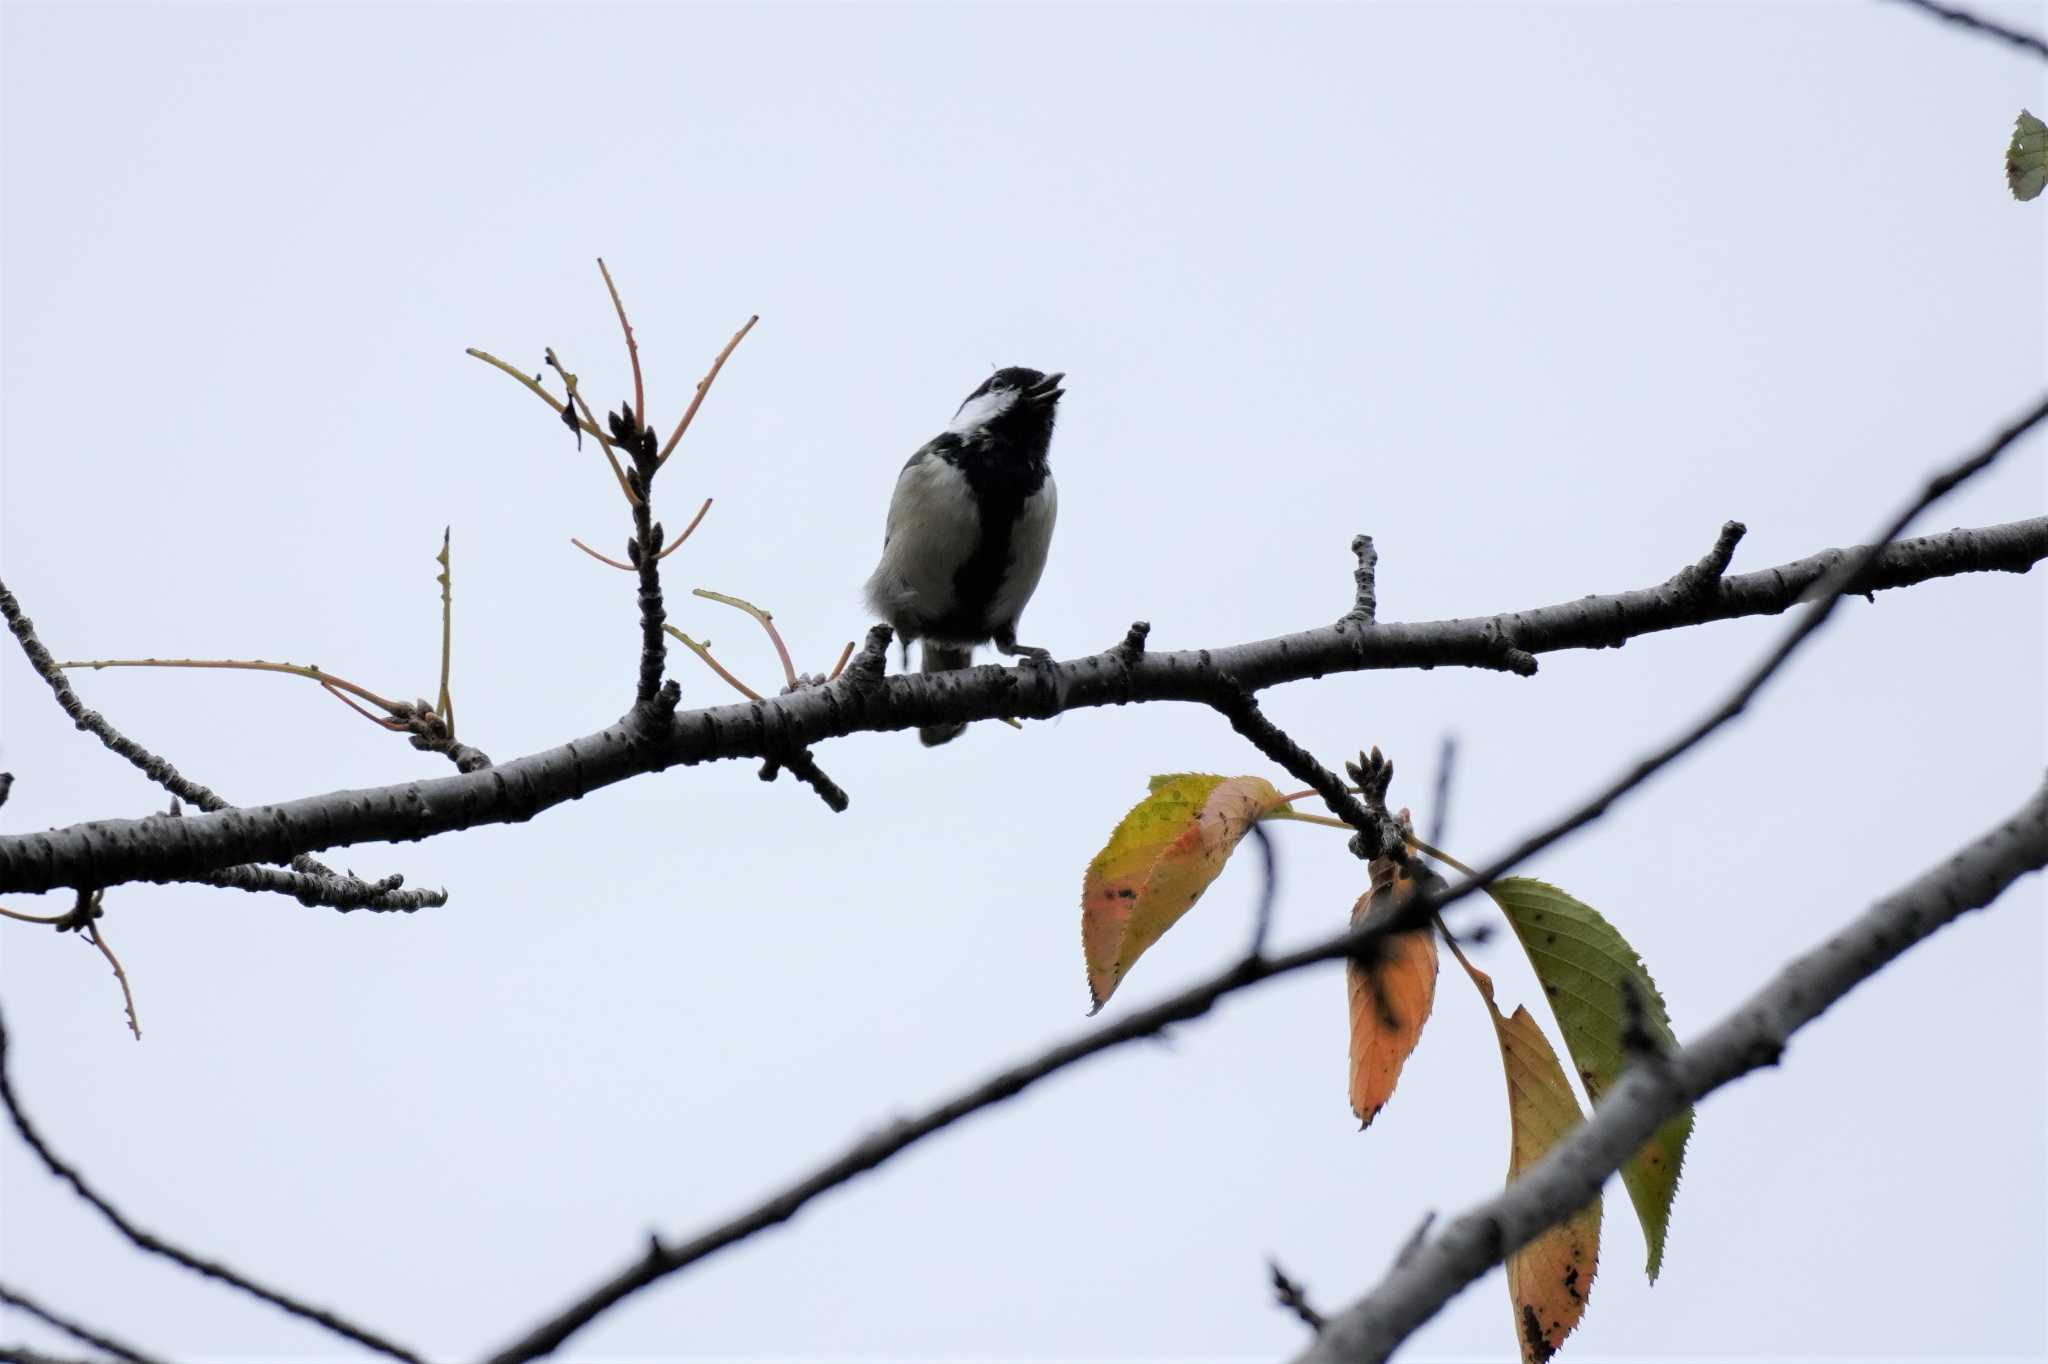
[(673, 545)]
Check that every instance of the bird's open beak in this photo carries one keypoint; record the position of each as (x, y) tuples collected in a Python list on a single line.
[(1048, 389)]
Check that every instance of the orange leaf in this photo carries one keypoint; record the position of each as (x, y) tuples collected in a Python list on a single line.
[(1550, 1278), (1159, 860), (1392, 992)]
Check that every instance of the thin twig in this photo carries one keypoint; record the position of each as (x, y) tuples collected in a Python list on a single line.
[(84, 1334), (1963, 18), (704, 387), (840, 666), (586, 420), (155, 1245), (533, 385), (677, 543), (1440, 804), (1294, 1298), (767, 623), (632, 346), (445, 704), (704, 652), (601, 558), (94, 936), (243, 665)]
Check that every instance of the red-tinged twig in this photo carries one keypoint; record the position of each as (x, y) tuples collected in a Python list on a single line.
[(704, 387), (677, 543), (840, 666), (381, 721), (632, 346), (93, 936), (601, 558), (704, 653), (767, 623)]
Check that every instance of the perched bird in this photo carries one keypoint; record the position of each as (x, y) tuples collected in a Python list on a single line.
[(969, 525)]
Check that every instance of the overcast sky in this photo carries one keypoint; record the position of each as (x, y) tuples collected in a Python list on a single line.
[(1538, 296)]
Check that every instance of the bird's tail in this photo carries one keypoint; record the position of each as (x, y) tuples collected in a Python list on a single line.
[(939, 658)]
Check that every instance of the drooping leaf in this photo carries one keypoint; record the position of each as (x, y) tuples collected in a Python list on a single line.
[(2026, 158), (1391, 993), (1550, 1278), (1589, 974), (1157, 863)]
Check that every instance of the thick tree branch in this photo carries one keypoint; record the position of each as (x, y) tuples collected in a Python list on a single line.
[(346, 892), (109, 852), (157, 1246), (1653, 1090)]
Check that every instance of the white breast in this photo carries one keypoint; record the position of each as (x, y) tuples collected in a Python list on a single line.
[(933, 527), (1028, 545)]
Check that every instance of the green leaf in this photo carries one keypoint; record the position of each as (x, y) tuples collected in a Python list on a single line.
[(2026, 157), (1157, 863), (1586, 969)]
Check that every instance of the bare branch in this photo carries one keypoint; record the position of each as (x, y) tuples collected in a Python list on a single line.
[(1963, 18), (2029, 830), (144, 1240), (109, 852), (342, 891), (704, 387), (632, 346), (1752, 1036), (14, 1298)]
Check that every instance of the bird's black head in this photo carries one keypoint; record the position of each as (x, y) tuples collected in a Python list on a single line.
[(1012, 402)]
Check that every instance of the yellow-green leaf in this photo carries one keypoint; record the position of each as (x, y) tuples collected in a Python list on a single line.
[(2026, 157), (1550, 1278), (1588, 972), (1157, 863), (1391, 994)]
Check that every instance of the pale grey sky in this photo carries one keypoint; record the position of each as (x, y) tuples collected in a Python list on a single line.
[(1537, 295)]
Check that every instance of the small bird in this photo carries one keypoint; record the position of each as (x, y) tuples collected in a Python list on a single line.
[(969, 525)]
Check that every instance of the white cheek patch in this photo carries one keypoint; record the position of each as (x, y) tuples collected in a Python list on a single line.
[(976, 413)]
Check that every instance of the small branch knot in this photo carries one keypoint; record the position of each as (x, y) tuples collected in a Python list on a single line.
[(1132, 647), (1703, 578), (1364, 580), (872, 661)]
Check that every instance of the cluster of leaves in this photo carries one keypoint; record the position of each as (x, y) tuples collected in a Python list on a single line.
[(1173, 844)]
